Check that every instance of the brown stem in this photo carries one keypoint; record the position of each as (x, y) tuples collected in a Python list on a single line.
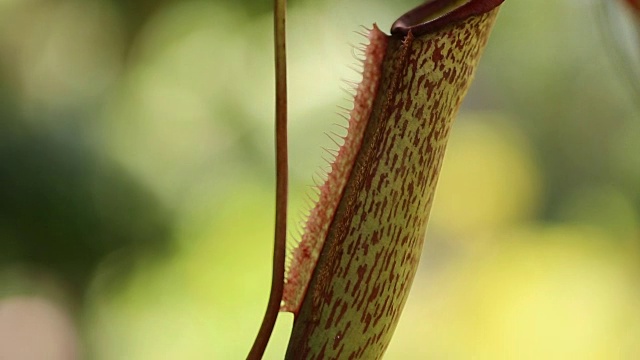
[(277, 279)]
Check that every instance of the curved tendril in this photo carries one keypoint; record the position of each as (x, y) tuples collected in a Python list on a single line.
[(277, 279)]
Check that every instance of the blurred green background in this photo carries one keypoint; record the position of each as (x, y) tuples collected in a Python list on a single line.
[(136, 176)]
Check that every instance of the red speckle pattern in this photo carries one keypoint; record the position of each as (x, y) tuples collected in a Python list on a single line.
[(305, 255), (375, 239)]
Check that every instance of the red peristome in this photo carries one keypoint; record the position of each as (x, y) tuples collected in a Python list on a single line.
[(305, 255), (411, 20)]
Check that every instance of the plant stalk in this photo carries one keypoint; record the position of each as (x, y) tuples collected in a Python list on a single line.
[(279, 249)]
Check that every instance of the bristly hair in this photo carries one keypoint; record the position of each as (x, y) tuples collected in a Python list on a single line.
[(303, 259)]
